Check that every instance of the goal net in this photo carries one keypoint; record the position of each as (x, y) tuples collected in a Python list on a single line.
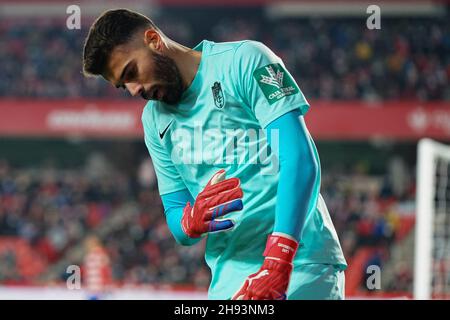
[(432, 238)]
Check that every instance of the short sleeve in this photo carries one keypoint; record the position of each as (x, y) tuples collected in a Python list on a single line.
[(169, 179), (264, 83)]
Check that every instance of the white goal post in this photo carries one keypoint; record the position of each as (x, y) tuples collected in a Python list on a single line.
[(432, 237)]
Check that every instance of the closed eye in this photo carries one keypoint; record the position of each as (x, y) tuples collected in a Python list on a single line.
[(131, 73)]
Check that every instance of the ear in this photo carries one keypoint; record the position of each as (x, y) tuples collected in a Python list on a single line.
[(153, 39)]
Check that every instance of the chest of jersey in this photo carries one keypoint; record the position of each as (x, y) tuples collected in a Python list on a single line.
[(213, 128)]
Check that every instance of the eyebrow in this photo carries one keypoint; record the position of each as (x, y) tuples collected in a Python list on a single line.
[(118, 85)]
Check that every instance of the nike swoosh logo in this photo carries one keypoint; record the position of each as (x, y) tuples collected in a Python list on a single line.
[(161, 134)]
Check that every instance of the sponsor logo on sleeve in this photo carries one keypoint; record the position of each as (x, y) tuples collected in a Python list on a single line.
[(275, 82)]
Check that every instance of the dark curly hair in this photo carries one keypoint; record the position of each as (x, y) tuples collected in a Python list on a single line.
[(112, 28)]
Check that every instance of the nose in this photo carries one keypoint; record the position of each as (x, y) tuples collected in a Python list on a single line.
[(134, 88)]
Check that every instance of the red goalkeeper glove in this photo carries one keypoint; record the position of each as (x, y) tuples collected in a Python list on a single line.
[(219, 197), (272, 280)]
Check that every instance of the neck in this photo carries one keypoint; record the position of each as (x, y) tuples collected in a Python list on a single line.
[(186, 59)]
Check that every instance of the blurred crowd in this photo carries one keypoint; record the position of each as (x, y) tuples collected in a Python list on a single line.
[(375, 213), (329, 58), (54, 210)]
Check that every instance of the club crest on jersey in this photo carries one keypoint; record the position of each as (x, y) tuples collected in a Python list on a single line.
[(219, 98), (275, 82)]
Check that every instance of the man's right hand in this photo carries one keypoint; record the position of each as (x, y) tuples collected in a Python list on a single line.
[(219, 197)]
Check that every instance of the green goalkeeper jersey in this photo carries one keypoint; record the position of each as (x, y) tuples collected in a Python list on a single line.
[(239, 88)]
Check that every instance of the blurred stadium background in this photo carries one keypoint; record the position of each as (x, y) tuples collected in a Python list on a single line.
[(75, 173)]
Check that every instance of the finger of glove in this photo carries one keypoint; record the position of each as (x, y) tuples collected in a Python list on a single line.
[(252, 295), (271, 288), (257, 293), (278, 296), (186, 218), (222, 198), (248, 295), (220, 225), (220, 210), (222, 186), (217, 177), (241, 292)]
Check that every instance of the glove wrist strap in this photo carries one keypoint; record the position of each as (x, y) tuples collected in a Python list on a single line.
[(280, 248)]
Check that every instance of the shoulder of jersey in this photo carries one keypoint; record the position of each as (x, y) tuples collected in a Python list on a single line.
[(218, 48), (148, 114), (153, 110)]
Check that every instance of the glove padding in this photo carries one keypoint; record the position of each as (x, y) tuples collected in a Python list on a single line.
[(272, 280), (219, 197)]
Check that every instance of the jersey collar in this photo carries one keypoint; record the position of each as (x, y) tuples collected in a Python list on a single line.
[(203, 46)]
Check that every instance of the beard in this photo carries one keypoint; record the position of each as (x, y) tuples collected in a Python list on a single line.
[(170, 78)]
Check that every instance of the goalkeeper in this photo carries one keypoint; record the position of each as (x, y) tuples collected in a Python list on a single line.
[(268, 231)]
